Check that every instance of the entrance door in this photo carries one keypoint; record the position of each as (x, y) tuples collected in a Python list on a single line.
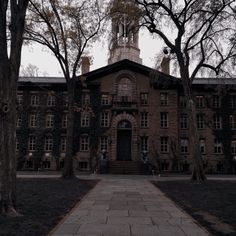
[(124, 136)]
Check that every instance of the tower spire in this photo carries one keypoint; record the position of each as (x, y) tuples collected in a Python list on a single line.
[(124, 36)]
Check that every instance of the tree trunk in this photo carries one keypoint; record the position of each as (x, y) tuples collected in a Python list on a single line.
[(7, 142), (68, 171), (9, 72), (198, 172)]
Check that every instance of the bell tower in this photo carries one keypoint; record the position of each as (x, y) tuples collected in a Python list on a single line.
[(124, 40)]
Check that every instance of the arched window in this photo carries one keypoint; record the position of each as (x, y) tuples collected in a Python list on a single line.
[(125, 89), (124, 124)]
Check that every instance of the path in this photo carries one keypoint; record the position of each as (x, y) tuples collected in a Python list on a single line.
[(127, 207)]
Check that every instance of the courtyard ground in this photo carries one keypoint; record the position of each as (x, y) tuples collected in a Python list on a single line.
[(212, 204), (43, 203)]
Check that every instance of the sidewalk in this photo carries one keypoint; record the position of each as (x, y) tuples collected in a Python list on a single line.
[(127, 207)]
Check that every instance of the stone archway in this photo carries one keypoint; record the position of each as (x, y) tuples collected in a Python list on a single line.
[(134, 137)]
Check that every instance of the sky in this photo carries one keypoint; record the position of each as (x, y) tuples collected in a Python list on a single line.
[(47, 64)]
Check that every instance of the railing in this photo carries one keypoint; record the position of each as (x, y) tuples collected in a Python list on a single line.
[(124, 102)]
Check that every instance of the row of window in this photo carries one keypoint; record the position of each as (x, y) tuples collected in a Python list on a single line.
[(201, 121), (105, 120), (49, 120), (164, 144), (216, 101), (106, 99)]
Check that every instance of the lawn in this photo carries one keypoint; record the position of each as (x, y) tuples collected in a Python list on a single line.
[(43, 203), (212, 204)]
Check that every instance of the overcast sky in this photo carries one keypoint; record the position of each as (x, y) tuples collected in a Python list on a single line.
[(44, 60)]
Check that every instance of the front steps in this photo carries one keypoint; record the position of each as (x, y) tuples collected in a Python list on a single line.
[(124, 167)]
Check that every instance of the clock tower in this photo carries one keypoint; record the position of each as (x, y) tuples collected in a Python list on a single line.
[(124, 40)]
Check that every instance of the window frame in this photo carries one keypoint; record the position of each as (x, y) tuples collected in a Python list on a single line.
[(34, 100), (105, 119), (32, 143), (49, 121), (144, 143), (144, 99), (164, 99), (48, 143), (33, 120), (144, 120), (84, 143), (183, 121), (164, 120), (164, 144)]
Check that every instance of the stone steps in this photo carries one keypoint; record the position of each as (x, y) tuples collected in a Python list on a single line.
[(124, 167)]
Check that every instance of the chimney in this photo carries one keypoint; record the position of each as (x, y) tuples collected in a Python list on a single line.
[(165, 65), (85, 65)]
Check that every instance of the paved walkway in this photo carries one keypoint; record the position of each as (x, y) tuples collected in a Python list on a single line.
[(127, 207)]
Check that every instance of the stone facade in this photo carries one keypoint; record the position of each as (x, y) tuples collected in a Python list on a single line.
[(123, 110)]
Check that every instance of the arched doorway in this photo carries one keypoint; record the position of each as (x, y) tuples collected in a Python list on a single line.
[(124, 138)]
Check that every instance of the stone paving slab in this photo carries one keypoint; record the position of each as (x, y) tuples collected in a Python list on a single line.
[(127, 207)]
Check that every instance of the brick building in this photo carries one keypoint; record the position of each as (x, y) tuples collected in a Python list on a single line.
[(126, 110)]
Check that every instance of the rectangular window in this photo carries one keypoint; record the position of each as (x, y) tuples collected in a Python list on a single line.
[(144, 120), (232, 120), (232, 101), (33, 120), (184, 145), (217, 122), (164, 145), (85, 99), (183, 121), (144, 99), (32, 143), (65, 100), (233, 147), (19, 120), (105, 99), (216, 101), (144, 143), (49, 121), (51, 100), (200, 121), (64, 121), (164, 120), (182, 102), (217, 147), (34, 100), (200, 101), (48, 144), (104, 119), (85, 119), (17, 144), (84, 143), (104, 143), (63, 144), (202, 146), (164, 99), (83, 165), (19, 99)]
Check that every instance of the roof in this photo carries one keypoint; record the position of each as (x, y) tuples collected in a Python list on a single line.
[(43, 80), (156, 76), (123, 65), (215, 81)]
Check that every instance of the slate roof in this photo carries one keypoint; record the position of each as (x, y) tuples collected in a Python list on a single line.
[(127, 65)]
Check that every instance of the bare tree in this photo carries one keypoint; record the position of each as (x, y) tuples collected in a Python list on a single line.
[(66, 28), (12, 20), (201, 31)]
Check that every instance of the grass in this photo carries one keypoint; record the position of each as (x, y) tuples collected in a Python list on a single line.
[(43, 203), (212, 204)]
